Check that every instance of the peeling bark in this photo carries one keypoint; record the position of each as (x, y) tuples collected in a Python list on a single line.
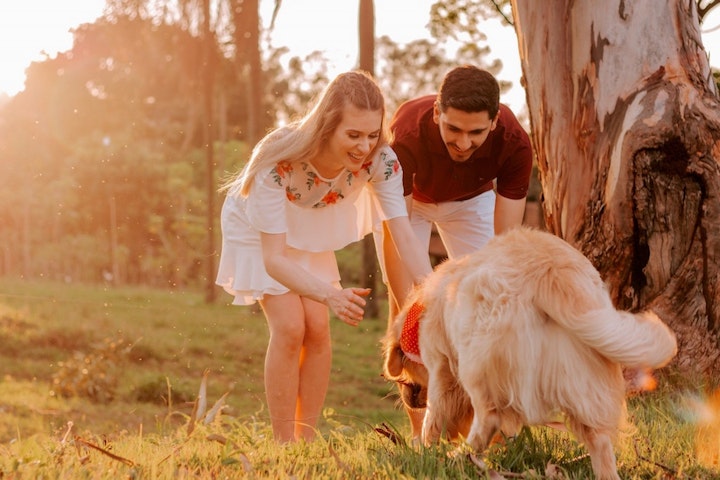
[(626, 127)]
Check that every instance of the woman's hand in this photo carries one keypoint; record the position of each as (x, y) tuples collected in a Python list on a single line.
[(348, 304)]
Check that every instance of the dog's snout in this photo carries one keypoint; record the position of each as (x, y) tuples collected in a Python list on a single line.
[(413, 395)]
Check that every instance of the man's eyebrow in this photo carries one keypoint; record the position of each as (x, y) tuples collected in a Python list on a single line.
[(480, 130), (476, 130)]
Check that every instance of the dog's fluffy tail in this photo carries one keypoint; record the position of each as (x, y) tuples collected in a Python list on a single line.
[(636, 340)]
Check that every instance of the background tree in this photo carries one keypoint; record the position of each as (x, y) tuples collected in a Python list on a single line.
[(246, 36), (105, 124), (209, 66), (121, 137), (366, 29), (461, 20), (400, 78)]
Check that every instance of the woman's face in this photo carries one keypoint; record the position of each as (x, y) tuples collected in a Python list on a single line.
[(355, 137)]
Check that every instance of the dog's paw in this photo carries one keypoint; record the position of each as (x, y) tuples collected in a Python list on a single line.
[(478, 462), (460, 451), (416, 442)]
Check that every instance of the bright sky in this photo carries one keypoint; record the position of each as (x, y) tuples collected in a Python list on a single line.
[(401, 20), (30, 27)]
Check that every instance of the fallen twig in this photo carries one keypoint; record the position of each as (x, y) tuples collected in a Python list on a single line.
[(645, 459), (126, 461), (388, 433)]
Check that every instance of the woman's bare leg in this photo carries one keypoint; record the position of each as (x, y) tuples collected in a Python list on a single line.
[(286, 322), (315, 366)]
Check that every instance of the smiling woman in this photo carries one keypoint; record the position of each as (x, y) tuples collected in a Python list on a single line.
[(306, 193), (32, 30)]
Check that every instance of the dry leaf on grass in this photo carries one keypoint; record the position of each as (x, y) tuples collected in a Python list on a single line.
[(217, 408)]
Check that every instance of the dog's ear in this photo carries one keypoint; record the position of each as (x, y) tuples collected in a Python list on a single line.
[(393, 365)]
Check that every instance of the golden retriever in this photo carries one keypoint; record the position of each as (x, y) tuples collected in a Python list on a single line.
[(512, 335)]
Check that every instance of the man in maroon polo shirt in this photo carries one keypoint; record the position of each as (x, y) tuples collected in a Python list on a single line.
[(466, 169)]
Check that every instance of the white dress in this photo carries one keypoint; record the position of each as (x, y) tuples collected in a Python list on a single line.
[(318, 216)]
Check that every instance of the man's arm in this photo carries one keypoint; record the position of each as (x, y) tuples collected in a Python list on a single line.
[(509, 213)]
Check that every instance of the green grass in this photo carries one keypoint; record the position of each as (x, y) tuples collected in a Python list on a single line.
[(163, 337), (101, 382)]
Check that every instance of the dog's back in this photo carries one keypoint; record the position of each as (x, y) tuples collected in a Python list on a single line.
[(528, 268)]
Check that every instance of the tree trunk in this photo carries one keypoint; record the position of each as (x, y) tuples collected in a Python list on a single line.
[(208, 68), (246, 18), (626, 129), (366, 42)]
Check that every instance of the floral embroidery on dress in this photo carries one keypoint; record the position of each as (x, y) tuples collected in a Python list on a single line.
[(365, 166), (392, 166), (303, 185), (292, 194), (331, 197), (283, 170), (313, 180)]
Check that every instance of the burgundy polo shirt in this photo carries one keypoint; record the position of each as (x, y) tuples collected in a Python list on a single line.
[(432, 176)]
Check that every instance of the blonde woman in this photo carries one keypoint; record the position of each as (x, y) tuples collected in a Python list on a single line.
[(307, 191)]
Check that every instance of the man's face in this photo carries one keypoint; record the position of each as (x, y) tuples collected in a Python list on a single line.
[(463, 132)]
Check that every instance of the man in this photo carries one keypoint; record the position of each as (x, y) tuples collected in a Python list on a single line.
[(466, 169)]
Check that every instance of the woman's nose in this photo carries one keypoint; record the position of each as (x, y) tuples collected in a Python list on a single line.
[(364, 145)]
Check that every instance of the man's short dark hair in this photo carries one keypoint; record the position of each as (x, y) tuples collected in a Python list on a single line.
[(469, 89)]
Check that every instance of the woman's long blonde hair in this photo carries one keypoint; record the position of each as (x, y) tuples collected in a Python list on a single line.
[(304, 138)]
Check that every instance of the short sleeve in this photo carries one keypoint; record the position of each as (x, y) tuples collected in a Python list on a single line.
[(386, 185), (266, 203), (513, 178)]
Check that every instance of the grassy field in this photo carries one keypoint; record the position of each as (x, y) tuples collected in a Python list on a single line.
[(101, 383), (123, 356)]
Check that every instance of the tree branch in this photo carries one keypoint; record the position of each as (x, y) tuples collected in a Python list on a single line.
[(499, 3), (703, 7)]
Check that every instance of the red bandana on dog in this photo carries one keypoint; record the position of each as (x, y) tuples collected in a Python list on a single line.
[(410, 333)]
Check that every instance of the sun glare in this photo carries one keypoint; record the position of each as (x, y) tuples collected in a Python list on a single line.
[(33, 29), (704, 413)]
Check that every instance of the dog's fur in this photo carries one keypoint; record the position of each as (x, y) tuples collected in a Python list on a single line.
[(516, 333)]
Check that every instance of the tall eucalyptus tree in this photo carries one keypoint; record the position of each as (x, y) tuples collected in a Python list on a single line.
[(625, 119)]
